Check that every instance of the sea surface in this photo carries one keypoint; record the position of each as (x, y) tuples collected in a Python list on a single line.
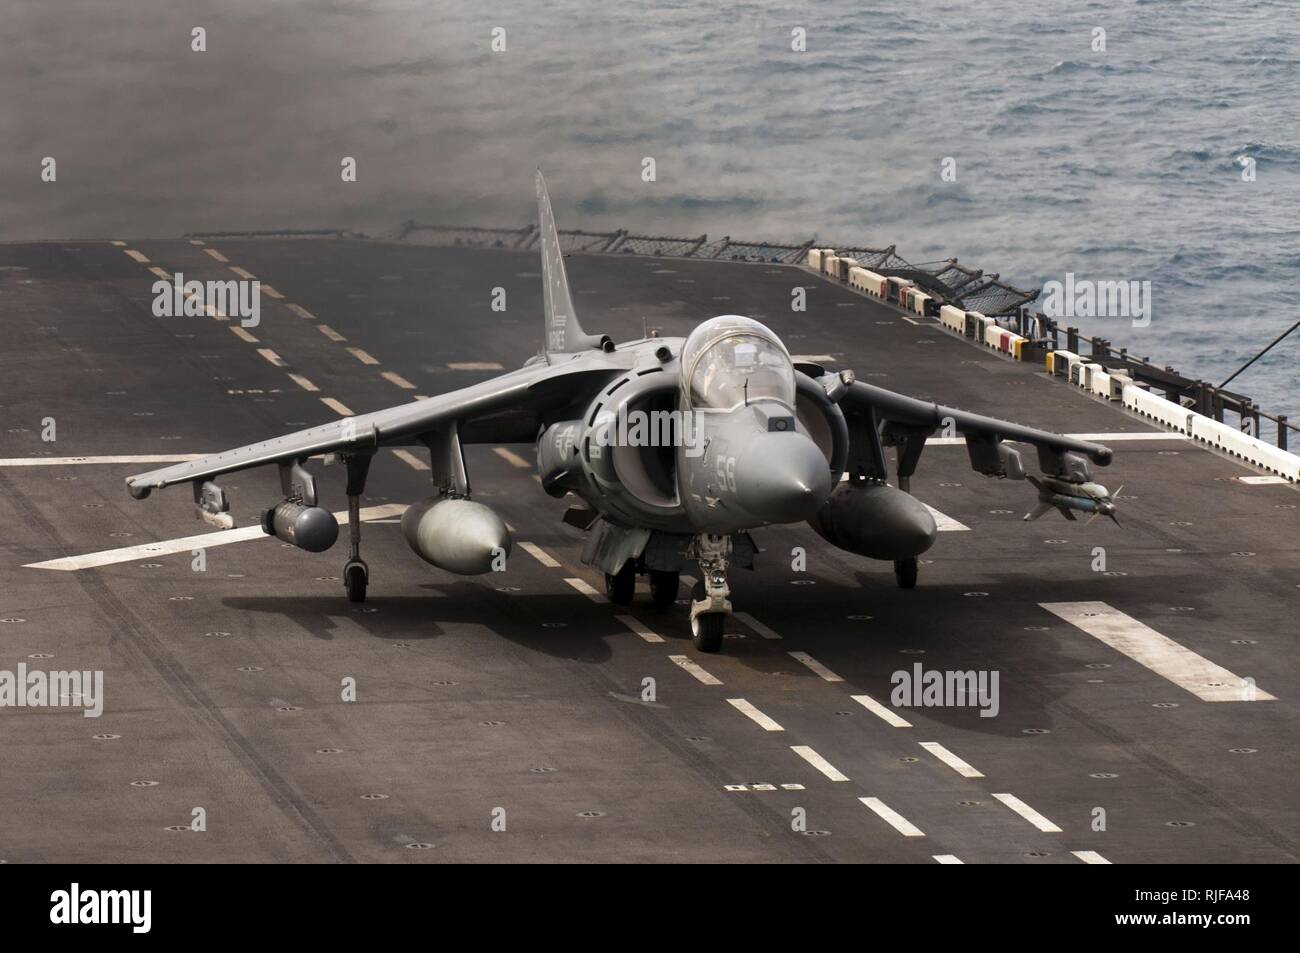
[(1115, 164)]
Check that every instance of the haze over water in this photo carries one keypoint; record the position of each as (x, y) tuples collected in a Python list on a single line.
[(1115, 165)]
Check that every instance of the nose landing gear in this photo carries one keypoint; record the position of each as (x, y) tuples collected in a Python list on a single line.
[(711, 597)]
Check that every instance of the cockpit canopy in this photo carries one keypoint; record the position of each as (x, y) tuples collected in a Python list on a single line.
[(730, 360)]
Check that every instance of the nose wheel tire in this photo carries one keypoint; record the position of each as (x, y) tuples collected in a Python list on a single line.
[(355, 577), (663, 587), (905, 571), (620, 587), (706, 631)]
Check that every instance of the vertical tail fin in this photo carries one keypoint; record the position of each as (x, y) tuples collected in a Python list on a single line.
[(564, 334)]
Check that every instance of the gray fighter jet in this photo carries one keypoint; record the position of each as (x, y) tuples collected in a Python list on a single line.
[(675, 448)]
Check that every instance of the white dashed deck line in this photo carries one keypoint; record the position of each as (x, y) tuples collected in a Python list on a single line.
[(541, 555), (475, 366), (884, 712), (410, 459), (700, 675), (132, 253), (1090, 857), (395, 378), (243, 335), (246, 275), (891, 817), (753, 714), (512, 458), (362, 356), (1028, 813), (820, 670), (155, 270), (1161, 654), (950, 759), (812, 358), (301, 312), (588, 590), (744, 617), (330, 333), (275, 359), (213, 253), (337, 406), (1263, 480), (947, 859), (303, 383), (818, 762), (271, 292), (187, 544), (637, 626)]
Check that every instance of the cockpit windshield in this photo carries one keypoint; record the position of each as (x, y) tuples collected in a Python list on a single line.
[(736, 363)]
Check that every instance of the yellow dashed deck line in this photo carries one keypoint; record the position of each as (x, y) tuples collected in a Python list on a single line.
[(300, 311), (510, 457), (329, 332), (242, 334), (394, 378), (217, 255), (361, 355), (136, 255), (409, 458), (303, 382), (336, 406)]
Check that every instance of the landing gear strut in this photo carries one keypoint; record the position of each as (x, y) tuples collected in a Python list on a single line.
[(905, 571), (711, 598), (356, 574)]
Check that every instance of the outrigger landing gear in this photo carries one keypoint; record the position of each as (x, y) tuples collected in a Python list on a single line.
[(905, 571), (711, 597), (356, 574)]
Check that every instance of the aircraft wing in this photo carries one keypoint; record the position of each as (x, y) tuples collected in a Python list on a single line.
[(906, 422), (499, 410)]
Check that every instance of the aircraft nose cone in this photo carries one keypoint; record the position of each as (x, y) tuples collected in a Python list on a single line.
[(782, 478)]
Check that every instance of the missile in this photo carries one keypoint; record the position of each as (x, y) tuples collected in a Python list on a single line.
[(1068, 498)]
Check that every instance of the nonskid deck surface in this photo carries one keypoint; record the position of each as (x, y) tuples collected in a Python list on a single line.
[(516, 696)]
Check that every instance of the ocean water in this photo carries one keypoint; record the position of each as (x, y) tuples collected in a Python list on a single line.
[(1122, 164)]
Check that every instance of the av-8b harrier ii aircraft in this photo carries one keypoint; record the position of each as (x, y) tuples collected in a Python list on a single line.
[(676, 447)]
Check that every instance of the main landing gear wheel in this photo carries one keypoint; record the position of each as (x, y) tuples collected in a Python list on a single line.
[(706, 628), (621, 586), (355, 577), (905, 571), (663, 587)]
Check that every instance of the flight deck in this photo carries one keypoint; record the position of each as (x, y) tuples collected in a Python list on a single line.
[(1147, 672)]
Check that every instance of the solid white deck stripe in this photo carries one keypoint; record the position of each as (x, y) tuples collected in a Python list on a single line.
[(884, 712), (337, 406), (891, 817), (1028, 813), (1161, 654), (303, 382), (510, 457), (744, 617), (950, 759), (815, 666), (1263, 480), (947, 859), (635, 624), (119, 458), (945, 523), (1090, 857), (410, 459), (1121, 437), (395, 378), (684, 663), (541, 555), (818, 762), (186, 544), (754, 715), (586, 589)]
